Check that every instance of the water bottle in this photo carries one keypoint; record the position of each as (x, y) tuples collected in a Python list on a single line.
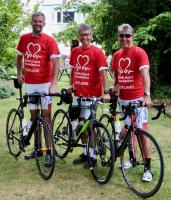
[(26, 127), (74, 126), (123, 132), (117, 127), (29, 123)]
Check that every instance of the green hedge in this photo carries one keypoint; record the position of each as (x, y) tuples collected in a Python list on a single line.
[(6, 90)]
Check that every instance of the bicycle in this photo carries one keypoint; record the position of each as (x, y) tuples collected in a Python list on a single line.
[(134, 141), (43, 140), (99, 138)]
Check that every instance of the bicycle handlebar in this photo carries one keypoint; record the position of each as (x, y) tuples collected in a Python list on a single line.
[(37, 94), (34, 97), (93, 99), (65, 96), (161, 108), (130, 109)]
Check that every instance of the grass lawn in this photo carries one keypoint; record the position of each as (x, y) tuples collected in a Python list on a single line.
[(19, 179)]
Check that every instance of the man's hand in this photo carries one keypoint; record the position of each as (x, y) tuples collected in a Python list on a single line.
[(71, 89), (53, 88), (147, 101), (20, 79)]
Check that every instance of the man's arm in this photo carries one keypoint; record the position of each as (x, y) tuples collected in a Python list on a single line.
[(55, 71), (71, 82), (106, 96), (19, 68), (114, 85), (146, 79)]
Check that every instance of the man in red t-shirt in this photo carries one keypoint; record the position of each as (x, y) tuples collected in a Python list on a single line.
[(39, 54), (88, 75), (131, 67)]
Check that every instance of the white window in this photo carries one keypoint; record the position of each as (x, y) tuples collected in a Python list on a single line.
[(58, 17), (68, 16)]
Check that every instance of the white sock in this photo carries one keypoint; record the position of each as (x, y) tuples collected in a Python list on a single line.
[(84, 149), (92, 155)]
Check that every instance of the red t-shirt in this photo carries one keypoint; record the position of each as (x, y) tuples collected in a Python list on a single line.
[(86, 64), (126, 65), (37, 53)]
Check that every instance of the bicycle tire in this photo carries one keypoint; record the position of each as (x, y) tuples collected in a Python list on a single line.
[(133, 175), (103, 148), (13, 131), (44, 146), (62, 131), (106, 120)]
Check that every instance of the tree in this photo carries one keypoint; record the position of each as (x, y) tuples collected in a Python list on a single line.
[(106, 15), (155, 37), (13, 19), (70, 33), (151, 21), (10, 26)]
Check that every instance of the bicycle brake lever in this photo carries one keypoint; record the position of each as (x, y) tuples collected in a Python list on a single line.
[(157, 116), (60, 102), (159, 109)]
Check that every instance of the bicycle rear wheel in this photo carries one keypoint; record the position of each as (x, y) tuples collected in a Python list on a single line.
[(100, 142), (62, 132), (44, 150), (133, 174), (13, 131)]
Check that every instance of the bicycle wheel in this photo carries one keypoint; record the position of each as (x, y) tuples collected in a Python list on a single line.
[(13, 131), (106, 120), (62, 131), (100, 142), (133, 174), (45, 150)]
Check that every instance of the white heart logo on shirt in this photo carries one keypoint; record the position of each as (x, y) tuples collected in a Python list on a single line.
[(124, 64), (33, 50), (82, 61)]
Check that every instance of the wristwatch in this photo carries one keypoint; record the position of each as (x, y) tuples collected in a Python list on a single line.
[(106, 91), (147, 94)]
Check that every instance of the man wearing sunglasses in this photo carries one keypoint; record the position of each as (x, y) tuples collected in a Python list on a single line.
[(131, 66)]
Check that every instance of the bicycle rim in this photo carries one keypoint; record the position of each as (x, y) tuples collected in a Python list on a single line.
[(105, 119), (13, 131), (61, 133), (100, 142), (45, 150), (133, 175)]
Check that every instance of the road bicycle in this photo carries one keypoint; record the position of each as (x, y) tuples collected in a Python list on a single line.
[(43, 140), (99, 138), (134, 148)]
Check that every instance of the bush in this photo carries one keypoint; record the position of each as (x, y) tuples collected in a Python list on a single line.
[(5, 90)]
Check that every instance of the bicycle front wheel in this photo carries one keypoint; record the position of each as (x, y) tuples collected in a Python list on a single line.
[(62, 133), (106, 120), (100, 143), (146, 155), (45, 150), (13, 131)]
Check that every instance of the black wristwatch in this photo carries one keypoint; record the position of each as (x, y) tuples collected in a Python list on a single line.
[(147, 94), (106, 91)]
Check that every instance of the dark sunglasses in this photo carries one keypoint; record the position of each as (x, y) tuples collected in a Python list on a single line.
[(125, 35)]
